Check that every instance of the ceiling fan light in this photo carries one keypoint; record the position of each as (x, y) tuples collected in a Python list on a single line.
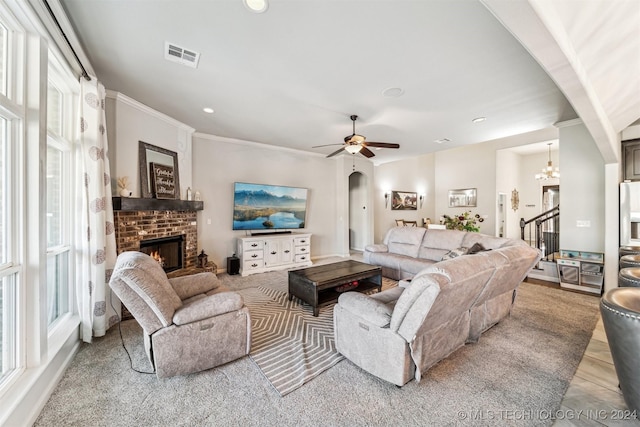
[(256, 6), (353, 149), (357, 139)]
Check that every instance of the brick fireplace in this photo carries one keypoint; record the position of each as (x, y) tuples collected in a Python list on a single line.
[(147, 219)]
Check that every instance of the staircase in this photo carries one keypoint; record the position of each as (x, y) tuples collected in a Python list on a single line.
[(543, 233)]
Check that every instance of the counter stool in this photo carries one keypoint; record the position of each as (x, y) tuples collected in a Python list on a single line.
[(627, 261), (620, 309), (629, 277), (628, 250)]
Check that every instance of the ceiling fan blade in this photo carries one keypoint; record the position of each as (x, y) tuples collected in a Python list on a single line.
[(381, 144), (325, 145), (336, 152), (366, 152)]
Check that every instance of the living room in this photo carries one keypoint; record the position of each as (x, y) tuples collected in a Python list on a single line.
[(586, 148)]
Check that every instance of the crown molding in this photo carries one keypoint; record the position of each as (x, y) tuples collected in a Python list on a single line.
[(568, 123), (253, 144), (148, 110)]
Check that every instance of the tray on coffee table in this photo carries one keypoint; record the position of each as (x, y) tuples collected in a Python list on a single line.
[(317, 285)]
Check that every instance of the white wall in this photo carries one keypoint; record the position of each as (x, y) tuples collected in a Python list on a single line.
[(128, 122), (412, 175), (219, 162), (582, 193), (472, 166), (508, 165)]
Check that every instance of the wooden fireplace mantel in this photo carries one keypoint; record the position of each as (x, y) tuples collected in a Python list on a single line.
[(139, 204)]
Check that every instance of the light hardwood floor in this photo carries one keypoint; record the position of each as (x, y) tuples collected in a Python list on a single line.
[(593, 397)]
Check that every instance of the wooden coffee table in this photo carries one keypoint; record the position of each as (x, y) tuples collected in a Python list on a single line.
[(317, 285)]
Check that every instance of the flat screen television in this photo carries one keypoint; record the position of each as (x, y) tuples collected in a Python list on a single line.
[(268, 207)]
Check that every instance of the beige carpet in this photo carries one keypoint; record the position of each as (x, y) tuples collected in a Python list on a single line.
[(525, 363)]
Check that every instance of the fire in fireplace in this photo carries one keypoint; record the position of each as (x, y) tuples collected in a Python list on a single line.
[(168, 251)]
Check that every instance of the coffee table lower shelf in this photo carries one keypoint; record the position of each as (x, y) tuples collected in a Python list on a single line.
[(317, 286)]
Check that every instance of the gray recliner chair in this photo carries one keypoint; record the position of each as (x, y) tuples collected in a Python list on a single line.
[(620, 309), (190, 323)]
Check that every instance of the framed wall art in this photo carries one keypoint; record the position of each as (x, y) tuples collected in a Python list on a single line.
[(462, 198), (148, 154), (403, 200)]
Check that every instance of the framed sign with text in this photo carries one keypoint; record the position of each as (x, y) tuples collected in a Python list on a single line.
[(163, 181)]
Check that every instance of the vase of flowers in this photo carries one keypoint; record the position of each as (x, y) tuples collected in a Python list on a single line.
[(466, 221)]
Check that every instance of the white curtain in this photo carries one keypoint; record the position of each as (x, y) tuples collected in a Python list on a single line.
[(99, 308)]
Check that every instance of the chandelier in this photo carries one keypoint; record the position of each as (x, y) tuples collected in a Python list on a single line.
[(548, 172)]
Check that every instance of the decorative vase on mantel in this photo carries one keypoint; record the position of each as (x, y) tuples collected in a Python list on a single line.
[(122, 185)]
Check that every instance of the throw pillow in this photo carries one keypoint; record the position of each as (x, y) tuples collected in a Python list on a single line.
[(454, 253), (477, 247)]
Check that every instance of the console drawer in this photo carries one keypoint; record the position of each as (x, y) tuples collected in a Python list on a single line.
[(302, 250)]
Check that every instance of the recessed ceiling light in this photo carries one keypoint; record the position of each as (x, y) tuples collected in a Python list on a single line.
[(393, 92), (257, 6), (442, 141), (479, 119), (208, 110)]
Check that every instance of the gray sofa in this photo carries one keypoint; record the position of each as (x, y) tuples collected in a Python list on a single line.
[(190, 323), (399, 333), (405, 251)]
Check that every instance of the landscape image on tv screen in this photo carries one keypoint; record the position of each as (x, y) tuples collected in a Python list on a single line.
[(268, 207)]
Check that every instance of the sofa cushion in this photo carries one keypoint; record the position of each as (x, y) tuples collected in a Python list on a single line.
[(432, 254), (436, 241), (144, 276), (477, 247), (194, 284), (422, 285), (374, 311), (455, 253), (489, 242), (377, 248), (405, 240)]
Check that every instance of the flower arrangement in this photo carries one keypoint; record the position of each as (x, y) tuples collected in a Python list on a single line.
[(466, 221)]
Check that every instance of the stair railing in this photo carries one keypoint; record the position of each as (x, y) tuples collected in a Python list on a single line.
[(548, 220)]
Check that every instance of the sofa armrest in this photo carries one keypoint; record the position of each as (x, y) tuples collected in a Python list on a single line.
[(194, 284), (210, 306), (373, 311), (377, 248)]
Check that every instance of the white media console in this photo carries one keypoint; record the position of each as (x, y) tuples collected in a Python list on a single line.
[(268, 252)]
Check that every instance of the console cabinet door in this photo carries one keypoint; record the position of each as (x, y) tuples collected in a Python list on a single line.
[(278, 251)]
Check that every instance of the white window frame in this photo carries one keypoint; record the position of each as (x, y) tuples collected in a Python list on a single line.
[(67, 235), (63, 80), (13, 110)]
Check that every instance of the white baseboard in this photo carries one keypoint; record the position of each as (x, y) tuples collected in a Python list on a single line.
[(26, 398)]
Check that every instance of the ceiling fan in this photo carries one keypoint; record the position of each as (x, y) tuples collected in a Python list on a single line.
[(355, 143)]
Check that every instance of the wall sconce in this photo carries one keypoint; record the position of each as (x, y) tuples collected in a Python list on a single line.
[(386, 200), (421, 200)]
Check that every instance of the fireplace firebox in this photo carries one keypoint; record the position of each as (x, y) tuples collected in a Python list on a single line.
[(168, 251)]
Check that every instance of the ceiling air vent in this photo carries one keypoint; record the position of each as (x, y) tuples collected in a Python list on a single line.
[(175, 53)]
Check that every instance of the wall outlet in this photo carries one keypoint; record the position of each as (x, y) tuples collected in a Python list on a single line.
[(583, 223), (208, 221)]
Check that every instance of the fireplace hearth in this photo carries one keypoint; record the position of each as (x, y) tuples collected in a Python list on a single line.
[(168, 251)]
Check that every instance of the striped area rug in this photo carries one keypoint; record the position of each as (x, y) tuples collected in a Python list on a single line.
[(289, 345)]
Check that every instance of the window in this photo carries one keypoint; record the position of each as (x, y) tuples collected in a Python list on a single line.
[(8, 275), (59, 212), (4, 50), (10, 269)]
